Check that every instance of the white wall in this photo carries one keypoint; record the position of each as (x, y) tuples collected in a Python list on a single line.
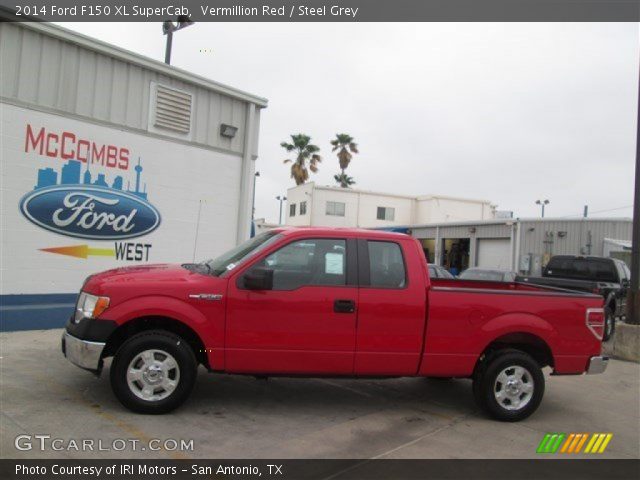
[(180, 180), (443, 209)]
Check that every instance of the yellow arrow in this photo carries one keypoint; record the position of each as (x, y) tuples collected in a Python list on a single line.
[(81, 251)]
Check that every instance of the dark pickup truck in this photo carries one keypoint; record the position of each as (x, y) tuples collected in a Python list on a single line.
[(604, 276)]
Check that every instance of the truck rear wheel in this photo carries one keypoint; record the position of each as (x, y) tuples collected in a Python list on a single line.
[(509, 385), (153, 372), (609, 324)]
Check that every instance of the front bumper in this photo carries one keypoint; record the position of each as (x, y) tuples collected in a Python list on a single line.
[(83, 353), (597, 364)]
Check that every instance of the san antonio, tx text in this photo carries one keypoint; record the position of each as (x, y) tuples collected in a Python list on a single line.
[(96, 471)]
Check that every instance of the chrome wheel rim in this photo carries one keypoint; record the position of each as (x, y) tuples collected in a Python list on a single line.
[(513, 388), (608, 325), (153, 375)]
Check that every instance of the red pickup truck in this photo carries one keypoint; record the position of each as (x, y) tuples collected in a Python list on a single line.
[(328, 302)]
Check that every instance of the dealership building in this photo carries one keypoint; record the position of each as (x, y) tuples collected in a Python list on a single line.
[(111, 159), (521, 245)]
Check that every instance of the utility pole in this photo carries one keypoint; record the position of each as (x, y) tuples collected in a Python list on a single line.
[(633, 296), (542, 203), (253, 201), (281, 199)]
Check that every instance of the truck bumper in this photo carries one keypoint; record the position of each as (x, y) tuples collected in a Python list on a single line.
[(597, 365), (83, 353)]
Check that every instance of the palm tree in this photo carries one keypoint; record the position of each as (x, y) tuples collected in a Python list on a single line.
[(304, 151), (344, 180), (346, 146)]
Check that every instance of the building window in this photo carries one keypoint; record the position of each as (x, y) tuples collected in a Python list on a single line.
[(335, 209), (303, 208), (386, 213), (292, 210)]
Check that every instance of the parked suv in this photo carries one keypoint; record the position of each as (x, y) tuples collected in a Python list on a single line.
[(608, 277)]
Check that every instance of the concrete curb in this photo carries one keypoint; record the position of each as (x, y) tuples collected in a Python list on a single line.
[(625, 344)]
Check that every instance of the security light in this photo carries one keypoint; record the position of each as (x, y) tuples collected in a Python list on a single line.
[(228, 131)]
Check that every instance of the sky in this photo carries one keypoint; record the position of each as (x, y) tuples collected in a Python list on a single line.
[(507, 112)]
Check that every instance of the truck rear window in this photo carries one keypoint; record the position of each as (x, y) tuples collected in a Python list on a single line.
[(581, 269)]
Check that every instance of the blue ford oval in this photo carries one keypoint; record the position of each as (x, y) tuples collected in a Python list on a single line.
[(97, 213)]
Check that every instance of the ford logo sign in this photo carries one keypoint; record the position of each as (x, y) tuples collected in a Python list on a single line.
[(90, 212)]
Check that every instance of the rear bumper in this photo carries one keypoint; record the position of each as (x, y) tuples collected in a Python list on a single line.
[(83, 353), (597, 364)]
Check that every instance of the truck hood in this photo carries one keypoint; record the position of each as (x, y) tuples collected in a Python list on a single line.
[(164, 275)]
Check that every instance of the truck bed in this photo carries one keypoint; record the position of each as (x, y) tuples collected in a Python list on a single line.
[(465, 316)]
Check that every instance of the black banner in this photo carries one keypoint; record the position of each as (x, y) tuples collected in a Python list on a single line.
[(326, 11), (546, 468)]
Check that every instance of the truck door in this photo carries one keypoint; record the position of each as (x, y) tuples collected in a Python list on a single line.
[(307, 322), (391, 309)]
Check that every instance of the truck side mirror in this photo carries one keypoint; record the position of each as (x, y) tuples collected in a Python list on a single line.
[(258, 278)]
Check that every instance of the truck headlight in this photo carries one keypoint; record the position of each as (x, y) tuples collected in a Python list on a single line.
[(90, 306)]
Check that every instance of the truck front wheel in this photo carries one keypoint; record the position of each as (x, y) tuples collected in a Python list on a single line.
[(153, 372), (509, 385)]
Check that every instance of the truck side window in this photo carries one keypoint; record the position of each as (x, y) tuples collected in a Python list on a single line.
[(308, 262), (386, 265)]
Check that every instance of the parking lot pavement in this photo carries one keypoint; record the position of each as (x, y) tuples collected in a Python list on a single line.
[(231, 416)]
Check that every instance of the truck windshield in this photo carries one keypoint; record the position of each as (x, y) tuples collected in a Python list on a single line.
[(234, 257)]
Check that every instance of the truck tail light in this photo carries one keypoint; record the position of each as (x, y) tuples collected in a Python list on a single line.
[(595, 321)]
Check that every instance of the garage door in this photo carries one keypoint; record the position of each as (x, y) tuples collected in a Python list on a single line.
[(494, 253)]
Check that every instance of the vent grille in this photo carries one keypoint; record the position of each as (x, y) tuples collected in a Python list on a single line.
[(173, 109)]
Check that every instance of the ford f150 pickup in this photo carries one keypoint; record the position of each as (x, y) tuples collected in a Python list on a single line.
[(328, 302)]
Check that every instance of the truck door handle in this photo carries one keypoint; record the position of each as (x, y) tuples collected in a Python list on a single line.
[(344, 306)]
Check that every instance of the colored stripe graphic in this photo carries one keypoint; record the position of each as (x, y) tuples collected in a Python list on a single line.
[(550, 443), (572, 443), (598, 443)]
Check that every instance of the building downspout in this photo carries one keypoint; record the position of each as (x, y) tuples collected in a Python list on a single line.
[(247, 177), (512, 247)]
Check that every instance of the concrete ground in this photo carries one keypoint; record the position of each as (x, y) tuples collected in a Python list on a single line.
[(241, 417)]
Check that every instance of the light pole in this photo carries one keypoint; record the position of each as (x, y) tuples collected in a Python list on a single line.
[(253, 201), (542, 203), (633, 296), (281, 199), (168, 27)]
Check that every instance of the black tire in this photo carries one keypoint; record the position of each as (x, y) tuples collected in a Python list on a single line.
[(183, 377), (609, 324), (485, 384)]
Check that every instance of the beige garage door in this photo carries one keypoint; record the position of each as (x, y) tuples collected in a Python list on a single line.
[(494, 253)]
